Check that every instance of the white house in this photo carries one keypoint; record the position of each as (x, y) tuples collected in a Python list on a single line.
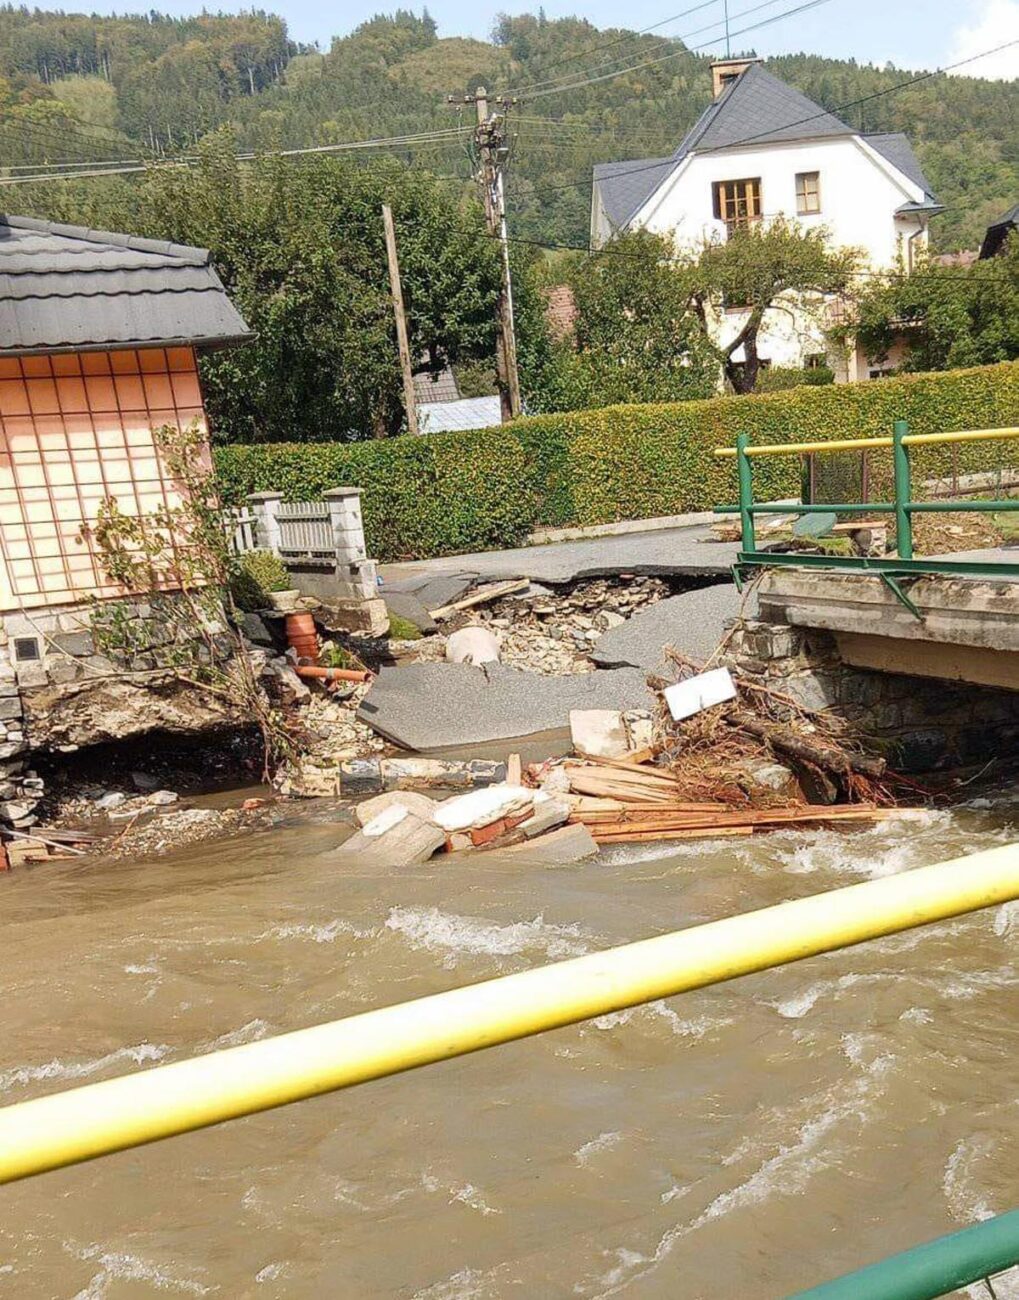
[(762, 149)]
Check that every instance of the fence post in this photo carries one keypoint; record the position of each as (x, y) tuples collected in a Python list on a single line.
[(356, 575), (746, 491), (265, 507), (903, 492)]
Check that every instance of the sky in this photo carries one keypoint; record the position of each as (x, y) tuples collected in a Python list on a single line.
[(909, 33)]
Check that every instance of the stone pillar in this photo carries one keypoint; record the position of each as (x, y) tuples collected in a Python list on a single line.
[(346, 523), (356, 576), (265, 506)]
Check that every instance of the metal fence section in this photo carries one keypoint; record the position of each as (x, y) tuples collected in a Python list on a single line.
[(305, 530), (902, 508)]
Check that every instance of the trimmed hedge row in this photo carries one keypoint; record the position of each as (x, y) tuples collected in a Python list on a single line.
[(445, 493)]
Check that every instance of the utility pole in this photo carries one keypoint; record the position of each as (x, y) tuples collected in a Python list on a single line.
[(490, 140), (401, 320)]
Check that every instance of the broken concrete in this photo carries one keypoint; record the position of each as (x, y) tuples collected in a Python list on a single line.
[(694, 623), (419, 804), (600, 733), (559, 848), (404, 604), (432, 590), (388, 842), (427, 707)]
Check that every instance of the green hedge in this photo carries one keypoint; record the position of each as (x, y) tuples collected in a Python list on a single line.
[(444, 493)]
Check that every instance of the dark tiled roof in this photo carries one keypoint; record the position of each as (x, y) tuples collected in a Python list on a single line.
[(756, 108), (440, 387), (64, 287), (624, 186), (759, 109), (998, 232), (895, 147)]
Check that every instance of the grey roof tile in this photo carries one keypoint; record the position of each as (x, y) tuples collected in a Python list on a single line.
[(67, 287), (624, 186)]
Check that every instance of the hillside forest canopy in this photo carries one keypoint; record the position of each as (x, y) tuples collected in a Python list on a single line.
[(75, 88)]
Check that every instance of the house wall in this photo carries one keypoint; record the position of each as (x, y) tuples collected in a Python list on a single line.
[(76, 429), (860, 192)]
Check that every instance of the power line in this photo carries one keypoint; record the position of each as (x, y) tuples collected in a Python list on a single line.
[(129, 166), (824, 112), (607, 45), (685, 49), (668, 43)]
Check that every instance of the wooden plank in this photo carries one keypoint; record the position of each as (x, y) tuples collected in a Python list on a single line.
[(492, 591)]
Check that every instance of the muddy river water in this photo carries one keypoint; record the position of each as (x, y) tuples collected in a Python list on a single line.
[(741, 1141)]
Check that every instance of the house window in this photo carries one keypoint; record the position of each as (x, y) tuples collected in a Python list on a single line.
[(737, 203), (808, 193), (815, 360), (880, 374)]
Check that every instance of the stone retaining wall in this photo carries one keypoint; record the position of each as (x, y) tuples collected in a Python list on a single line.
[(919, 723)]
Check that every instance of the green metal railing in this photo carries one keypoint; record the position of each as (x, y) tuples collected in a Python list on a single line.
[(934, 1269), (903, 507)]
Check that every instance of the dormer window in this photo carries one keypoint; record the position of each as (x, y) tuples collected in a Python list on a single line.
[(808, 193), (737, 203)]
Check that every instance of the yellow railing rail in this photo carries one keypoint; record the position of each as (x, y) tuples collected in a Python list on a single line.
[(866, 444), (113, 1115)]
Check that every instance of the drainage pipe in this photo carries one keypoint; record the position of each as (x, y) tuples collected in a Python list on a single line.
[(114, 1115)]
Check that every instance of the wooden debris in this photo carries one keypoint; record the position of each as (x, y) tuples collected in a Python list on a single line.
[(480, 596)]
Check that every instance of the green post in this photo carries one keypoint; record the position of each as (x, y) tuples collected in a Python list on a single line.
[(903, 492), (746, 491)]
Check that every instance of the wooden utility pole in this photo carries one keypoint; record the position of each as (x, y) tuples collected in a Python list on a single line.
[(401, 320), (490, 140)]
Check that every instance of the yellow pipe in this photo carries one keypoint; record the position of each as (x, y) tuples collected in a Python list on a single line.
[(967, 435), (116, 1114), (856, 444), (801, 448)]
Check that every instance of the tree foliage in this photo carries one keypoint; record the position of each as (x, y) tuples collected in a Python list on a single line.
[(946, 316)]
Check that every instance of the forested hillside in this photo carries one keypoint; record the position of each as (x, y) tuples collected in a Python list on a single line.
[(75, 88)]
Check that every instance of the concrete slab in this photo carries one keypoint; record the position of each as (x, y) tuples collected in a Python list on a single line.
[(405, 604), (428, 707), (687, 552), (693, 622), (433, 590)]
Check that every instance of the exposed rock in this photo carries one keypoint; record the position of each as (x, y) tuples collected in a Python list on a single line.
[(93, 710), (162, 798), (473, 645), (599, 732)]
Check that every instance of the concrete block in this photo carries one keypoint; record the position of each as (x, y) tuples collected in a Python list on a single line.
[(814, 692), (368, 616), (559, 848), (391, 841), (32, 675), (10, 708), (361, 776), (420, 804), (599, 732)]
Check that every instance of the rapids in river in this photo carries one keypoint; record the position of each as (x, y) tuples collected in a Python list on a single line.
[(745, 1140)]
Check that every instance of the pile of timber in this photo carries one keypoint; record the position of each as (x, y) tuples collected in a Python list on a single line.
[(626, 802)]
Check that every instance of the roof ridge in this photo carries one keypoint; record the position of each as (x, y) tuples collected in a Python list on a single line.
[(184, 252)]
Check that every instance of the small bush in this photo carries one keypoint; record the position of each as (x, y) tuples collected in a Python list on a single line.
[(258, 573), (402, 629)]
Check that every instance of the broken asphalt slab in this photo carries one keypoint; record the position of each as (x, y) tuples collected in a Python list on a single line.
[(406, 605), (426, 707), (693, 623), (431, 590), (682, 552)]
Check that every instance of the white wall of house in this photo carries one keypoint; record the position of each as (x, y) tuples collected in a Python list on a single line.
[(860, 192)]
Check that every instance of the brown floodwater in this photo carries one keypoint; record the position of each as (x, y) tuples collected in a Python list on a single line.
[(745, 1140)]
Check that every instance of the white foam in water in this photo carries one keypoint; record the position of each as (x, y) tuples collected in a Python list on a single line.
[(326, 933), (249, 1033), (117, 1266), (603, 1142), (467, 1284), (20, 1075), (427, 927), (464, 1194), (966, 1200)]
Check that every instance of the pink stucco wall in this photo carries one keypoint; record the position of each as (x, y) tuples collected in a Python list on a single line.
[(75, 429)]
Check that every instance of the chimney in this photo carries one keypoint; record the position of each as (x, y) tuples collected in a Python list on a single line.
[(725, 71)]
